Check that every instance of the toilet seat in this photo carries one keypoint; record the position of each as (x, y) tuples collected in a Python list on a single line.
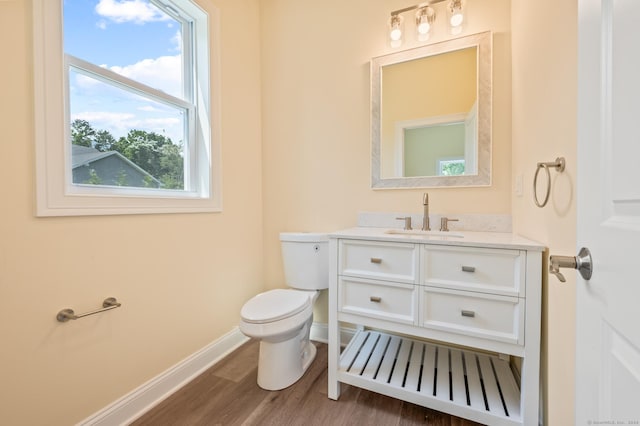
[(275, 305)]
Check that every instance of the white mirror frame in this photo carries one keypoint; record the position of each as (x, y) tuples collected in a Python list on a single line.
[(483, 42)]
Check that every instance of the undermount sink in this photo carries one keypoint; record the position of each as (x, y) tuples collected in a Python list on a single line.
[(424, 233)]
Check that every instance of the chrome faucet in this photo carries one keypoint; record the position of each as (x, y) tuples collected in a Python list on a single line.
[(425, 218), (407, 222), (444, 223)]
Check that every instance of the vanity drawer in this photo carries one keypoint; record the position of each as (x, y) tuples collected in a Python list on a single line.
[(379, 260), (495, 271), (492, 317), (378, 299)]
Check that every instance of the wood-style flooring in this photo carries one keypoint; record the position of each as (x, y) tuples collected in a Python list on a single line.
[(227, 394)]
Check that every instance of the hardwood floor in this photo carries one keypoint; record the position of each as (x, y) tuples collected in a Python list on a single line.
[(227, 394)]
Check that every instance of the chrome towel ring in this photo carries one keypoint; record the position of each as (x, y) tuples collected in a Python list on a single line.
[(559, 166)]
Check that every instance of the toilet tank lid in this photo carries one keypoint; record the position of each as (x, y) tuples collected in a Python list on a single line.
[(305, 237)]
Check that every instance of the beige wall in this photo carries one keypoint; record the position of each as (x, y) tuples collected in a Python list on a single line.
[(181, 278), (295, 75), (315, 109), (544, 127)]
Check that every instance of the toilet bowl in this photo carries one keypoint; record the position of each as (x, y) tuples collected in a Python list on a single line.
[(282, 318)]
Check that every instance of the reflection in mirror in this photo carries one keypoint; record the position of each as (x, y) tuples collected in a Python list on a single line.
[(431, 115)]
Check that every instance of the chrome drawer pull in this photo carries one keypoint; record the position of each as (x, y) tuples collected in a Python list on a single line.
[(375, 299), (376, 260), (468, 269), (470, 314)]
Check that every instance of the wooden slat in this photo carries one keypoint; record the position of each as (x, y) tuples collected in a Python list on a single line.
[(457, 385), (387, 363), (361, 359), (351, 351), (413, 375), (397, 379), (399, 364), (376, 356), (473, 381), (490, 386), (510, 390), (442, 383), (427, 372)]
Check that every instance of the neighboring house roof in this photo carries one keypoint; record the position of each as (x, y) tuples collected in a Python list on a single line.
[(84, 156)]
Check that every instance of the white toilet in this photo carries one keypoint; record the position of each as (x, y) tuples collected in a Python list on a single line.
[(282, 318)]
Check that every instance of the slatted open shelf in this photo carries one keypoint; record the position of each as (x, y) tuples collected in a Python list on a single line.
[(477, 386)]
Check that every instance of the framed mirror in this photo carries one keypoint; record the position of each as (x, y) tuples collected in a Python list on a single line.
[(431, 115)]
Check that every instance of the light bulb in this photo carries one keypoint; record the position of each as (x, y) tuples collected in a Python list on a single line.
[(395, 34), (456, 19), (425, 16), (456, 13), (424, 27), (395, 30)]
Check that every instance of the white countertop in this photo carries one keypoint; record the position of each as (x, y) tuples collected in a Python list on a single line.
[(502, 240)]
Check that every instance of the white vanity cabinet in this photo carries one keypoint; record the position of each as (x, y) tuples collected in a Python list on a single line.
[(440, 321)]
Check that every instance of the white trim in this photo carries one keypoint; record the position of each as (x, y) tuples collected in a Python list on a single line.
[(320, 333), (53, 194), (142, 399), (133, 405)]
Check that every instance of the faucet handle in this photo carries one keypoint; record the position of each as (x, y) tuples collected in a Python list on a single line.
[(407, 222), (444, 223), (425, 199)]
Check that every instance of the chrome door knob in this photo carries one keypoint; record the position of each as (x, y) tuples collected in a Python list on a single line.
[(582, 262)]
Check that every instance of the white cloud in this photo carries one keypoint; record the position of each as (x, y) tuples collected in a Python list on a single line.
[(176, 41), (136, 11), (117, 123), (148, 108), (163, 73)]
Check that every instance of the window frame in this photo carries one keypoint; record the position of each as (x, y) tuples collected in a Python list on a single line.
[(56, 195)]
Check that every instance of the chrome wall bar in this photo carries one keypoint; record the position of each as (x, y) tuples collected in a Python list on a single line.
[(417, 6), (68, 314)]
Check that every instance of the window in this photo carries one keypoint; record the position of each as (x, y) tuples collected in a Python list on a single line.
[(451, 166), (125, 120)]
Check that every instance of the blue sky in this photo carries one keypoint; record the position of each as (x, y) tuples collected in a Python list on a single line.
[(134, 39)]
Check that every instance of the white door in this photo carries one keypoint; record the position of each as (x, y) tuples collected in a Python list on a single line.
[(608, 305)]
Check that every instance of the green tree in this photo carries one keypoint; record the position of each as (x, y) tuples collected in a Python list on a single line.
[(82, 133), (453, 169), (94, 179), (103, 141), (171, 166), (122, 178), (156, 154)]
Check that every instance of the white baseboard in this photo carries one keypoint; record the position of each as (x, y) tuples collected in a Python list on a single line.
[(137, 402), (320, 333), (133, 405)]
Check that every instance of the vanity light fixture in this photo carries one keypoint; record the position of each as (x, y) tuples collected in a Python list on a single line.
[(425, 17), (455, 12), (395, 30)]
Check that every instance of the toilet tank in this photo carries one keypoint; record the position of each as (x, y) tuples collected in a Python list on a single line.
[(306, 260)]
